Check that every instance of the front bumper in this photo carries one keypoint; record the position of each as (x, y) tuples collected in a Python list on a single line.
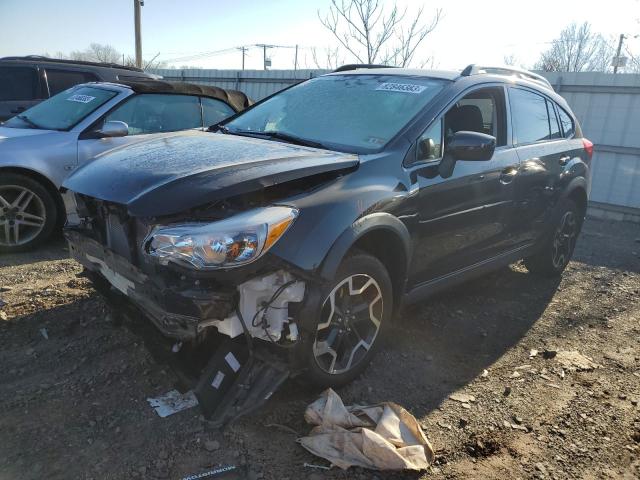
[(178, 307)]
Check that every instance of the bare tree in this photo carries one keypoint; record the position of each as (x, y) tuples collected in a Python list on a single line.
[(328, 59), (633, 62), (105, 53), (97, 52), (578, 49), (375, 34), (510, 60)]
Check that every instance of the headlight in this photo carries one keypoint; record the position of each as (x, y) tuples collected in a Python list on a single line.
[(227, 243)]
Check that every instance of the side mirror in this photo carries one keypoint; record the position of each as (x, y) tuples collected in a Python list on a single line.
[(113, 128), (473, 146)]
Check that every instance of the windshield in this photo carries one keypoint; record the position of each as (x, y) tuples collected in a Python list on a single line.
[(356, 113), (63, 110)]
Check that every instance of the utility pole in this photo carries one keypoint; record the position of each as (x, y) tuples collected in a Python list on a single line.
[(264, 57), (264, 54), (617, 59), (136, 18), (295, 59), (244, 53)]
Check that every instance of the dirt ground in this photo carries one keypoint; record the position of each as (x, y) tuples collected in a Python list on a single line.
[(74, 405)]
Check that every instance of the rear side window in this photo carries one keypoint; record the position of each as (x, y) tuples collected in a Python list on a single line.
[(553, 121), (18, 83), (154, 112), (214, 111), (530, 116), (60, 80), (568, 127)]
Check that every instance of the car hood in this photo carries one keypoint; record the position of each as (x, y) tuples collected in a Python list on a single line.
[(7, 133), (176, 172)]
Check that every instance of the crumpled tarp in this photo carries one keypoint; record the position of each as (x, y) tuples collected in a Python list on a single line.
[(378, 437)]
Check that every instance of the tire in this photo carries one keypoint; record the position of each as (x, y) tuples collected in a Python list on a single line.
[(556, 250), (26, 207), (334, 368)]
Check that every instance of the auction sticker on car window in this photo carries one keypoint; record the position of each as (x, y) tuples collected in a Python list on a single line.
[(81, 98), (402, 87)]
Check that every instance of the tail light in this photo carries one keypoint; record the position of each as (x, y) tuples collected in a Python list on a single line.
[(588, 147)]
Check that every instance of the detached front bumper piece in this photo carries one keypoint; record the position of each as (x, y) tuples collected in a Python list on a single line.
[(178, 310)]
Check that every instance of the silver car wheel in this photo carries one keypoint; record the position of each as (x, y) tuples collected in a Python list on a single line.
[(349, 324), (22, 215)]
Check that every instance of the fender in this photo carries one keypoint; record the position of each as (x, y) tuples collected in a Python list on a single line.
[(574, 183), (362, 226)]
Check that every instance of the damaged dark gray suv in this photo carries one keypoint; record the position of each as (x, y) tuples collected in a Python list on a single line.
[(304, 223)]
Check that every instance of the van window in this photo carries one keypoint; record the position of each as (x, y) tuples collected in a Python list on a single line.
[(18, 83), (60, 80)]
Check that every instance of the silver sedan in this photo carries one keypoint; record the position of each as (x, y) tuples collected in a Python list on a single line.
[(43, 145)]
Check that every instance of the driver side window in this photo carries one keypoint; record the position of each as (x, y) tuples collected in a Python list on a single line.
[(155, 112), (481, 111)]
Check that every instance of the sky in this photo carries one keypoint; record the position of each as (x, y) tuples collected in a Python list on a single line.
[(471, 31)]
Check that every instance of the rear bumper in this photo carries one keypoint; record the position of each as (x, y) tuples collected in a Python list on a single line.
[(178, 307)]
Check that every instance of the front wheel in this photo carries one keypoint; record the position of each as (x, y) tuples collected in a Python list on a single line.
[(28, 213), (356, 310), (557, 249)]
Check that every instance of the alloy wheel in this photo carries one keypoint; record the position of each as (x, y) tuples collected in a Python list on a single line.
[(564, 240), (349, 324), (22, 215)]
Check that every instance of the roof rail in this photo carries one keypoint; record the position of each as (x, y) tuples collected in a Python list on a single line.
[(356, 66), (474, 69), (40, 58)]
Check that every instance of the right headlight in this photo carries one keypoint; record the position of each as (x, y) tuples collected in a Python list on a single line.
[(231, 242)]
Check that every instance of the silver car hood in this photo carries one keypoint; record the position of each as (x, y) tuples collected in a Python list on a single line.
[(8, 132)]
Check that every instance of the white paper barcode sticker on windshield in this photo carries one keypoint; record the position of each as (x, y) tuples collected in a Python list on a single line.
[(402, 87), (81, 98)]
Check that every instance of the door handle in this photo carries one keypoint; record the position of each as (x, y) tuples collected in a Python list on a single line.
[(18, 110), (507, 175), (564, 160)]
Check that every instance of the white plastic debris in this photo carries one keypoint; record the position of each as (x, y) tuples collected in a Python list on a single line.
[(44, 333), (173, 402)]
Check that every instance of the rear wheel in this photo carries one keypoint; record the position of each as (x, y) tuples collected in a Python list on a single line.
[(351, 322), (28, 213), (557, 250)]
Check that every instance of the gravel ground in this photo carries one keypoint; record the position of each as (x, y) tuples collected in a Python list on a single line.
[(74, 405)]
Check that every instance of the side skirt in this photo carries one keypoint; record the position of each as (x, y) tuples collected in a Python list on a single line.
[(426, 289)]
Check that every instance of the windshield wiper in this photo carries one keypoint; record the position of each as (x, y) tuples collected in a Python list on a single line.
[(218, 127), (29, 122), (287, 137)]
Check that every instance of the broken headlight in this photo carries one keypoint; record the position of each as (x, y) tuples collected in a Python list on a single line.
[(232, 242)]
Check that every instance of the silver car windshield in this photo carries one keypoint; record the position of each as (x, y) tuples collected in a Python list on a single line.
[(64, 110), (347, 112)]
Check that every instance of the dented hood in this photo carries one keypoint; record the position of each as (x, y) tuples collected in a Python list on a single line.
[(175, 172)]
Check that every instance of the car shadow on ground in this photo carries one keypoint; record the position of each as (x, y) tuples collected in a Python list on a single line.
[(443, 344), (54, 249)]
